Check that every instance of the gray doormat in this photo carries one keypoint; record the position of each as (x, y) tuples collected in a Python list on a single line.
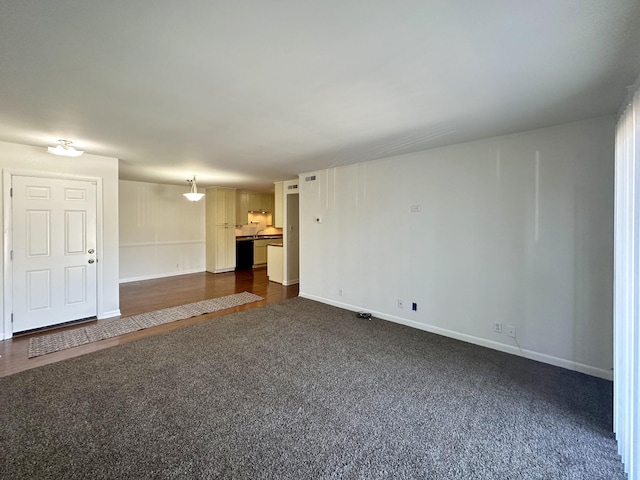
[(119, 326)]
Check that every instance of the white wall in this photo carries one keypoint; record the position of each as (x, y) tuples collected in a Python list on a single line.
[(161, 232), (28, 160), (515, 229)]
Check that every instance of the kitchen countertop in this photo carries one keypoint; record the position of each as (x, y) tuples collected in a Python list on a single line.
[(259, 237)]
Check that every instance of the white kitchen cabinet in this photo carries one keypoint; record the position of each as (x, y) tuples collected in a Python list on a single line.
[(225, 260), (274, 265), (242, 208), (221, 229), (255, 201), (260, 251), (224, 200), (260, 201), (252, 201), (267, 202)]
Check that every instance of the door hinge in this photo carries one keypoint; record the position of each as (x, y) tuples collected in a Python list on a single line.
[(12, 318), (11, 192), (11, 254)]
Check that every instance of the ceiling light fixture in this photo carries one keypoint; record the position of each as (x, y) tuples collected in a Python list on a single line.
[(64, 149), (193, 195)]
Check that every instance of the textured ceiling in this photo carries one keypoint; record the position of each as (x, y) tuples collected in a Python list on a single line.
[(244, 93)]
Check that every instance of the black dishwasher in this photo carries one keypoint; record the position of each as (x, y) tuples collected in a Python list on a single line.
[(244, 254)]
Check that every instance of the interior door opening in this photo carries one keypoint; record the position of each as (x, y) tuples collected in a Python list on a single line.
[(54, 271)]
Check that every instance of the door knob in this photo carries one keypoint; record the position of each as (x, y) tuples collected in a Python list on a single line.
[(91, 250), (91, 260)]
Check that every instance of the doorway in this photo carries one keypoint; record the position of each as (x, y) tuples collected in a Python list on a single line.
[(54, 251), (292, 260)]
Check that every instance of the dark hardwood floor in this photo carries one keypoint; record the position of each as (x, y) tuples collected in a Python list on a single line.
[(150, 295)]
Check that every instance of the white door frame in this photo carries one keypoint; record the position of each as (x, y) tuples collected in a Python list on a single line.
[(8, 239), (285, 225)]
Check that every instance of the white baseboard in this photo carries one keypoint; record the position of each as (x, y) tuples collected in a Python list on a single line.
[(483, 342), (290, 282), (159, 275)]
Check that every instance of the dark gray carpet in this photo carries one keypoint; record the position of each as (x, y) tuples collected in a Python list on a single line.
[(301, 390)]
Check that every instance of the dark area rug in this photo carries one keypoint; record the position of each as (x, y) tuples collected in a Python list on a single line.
[(302, 390)]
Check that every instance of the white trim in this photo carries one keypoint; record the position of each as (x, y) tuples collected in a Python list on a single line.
[(99, 248), (223, 270), (7, 292), (7, 288), (540, 357), (159, 244), (112, 313), (160, 275), (285, 234)]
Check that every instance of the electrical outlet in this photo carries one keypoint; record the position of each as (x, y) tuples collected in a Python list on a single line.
[(511, 331), (340, 291), (400, 304), (497, 327)]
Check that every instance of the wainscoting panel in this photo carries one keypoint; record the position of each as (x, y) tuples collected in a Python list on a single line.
[(144, 261)]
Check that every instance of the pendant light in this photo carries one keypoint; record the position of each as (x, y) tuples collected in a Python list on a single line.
[(64, 149), (193, 195)]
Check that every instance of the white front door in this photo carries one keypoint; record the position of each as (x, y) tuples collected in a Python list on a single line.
[(54, 257)]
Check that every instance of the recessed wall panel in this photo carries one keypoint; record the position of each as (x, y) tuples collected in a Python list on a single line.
[(75, 232), (75, 194), (38, 233), (38, 193), (38, 290), (75, 284)]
